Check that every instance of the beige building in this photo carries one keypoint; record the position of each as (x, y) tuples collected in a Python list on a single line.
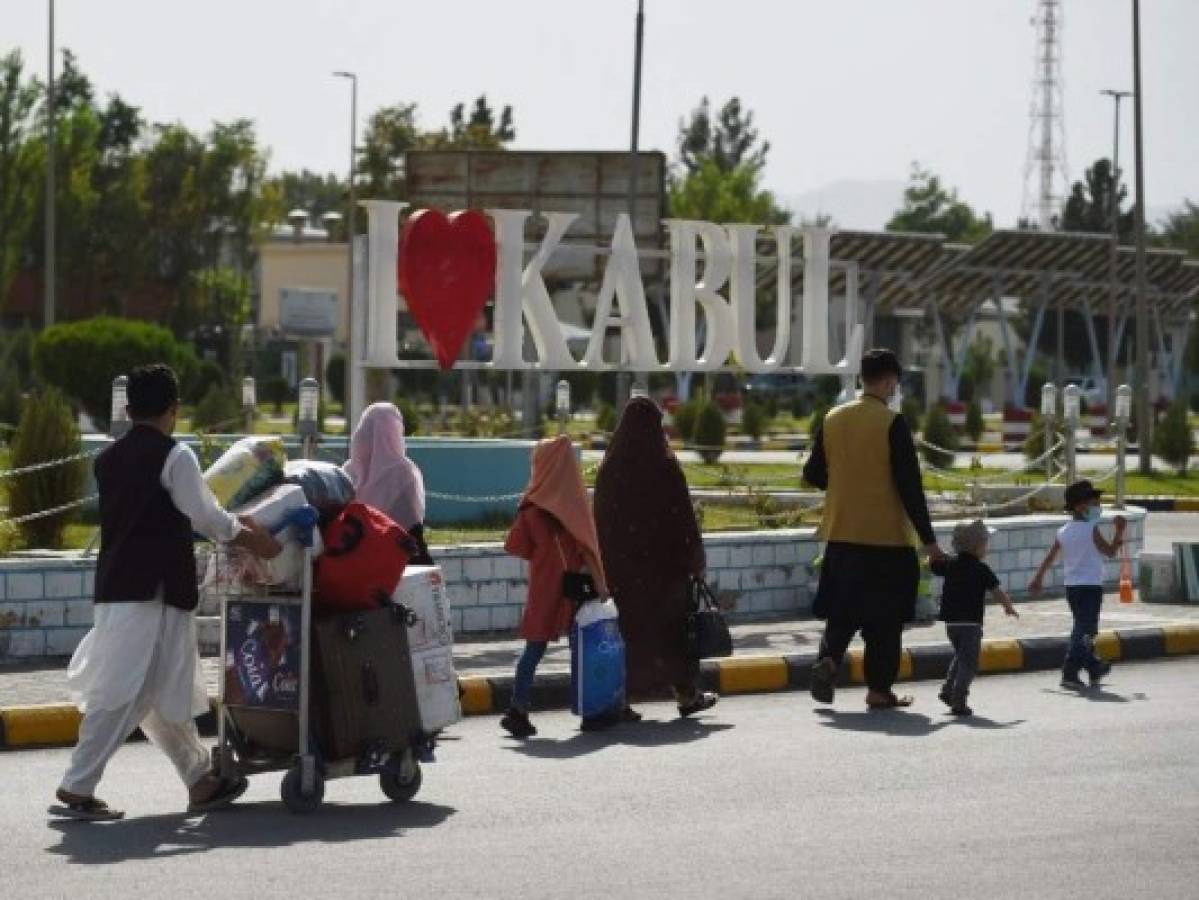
[(301, 259)]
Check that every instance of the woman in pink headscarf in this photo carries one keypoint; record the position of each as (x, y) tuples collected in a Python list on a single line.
[(383, 475)]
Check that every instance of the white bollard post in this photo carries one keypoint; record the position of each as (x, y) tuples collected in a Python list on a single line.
[(1123, 413), (118, 418), (249, 401), (1048, 413), (307, 415), (1071, 410), (562, 404)]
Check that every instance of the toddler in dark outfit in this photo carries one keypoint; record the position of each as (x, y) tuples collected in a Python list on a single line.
[(968, 581)]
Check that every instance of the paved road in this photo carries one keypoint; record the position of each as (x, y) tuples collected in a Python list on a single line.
[(1049, 795)]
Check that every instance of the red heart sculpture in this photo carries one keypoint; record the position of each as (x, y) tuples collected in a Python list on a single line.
[(446, 273)]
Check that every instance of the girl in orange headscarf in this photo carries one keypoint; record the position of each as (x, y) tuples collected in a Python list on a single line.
[(555, 533)]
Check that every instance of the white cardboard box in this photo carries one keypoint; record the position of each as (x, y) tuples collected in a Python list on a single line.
[(431, 642)]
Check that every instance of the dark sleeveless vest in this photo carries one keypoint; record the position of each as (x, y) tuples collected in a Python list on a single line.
[(145, 542)]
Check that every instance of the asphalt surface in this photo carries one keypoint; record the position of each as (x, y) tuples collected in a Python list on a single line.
[(1044, 794)]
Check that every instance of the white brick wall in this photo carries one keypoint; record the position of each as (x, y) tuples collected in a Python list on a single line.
[(61, 585), (24, 586), (45, 606)]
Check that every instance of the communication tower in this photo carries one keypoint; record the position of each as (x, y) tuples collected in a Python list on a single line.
[(1046, 180)]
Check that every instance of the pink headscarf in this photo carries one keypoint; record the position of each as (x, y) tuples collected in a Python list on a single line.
[(383, 475)]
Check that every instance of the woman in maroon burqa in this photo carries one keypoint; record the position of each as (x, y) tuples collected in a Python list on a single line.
[(651, 548)]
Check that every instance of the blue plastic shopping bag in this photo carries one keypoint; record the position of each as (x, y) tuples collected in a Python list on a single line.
[(597, 676)]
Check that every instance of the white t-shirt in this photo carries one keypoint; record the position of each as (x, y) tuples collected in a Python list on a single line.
[(1080, 557)]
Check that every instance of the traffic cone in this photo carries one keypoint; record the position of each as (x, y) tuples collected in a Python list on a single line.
[(1126, 593)]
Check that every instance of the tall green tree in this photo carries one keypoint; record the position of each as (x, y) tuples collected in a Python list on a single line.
[(1089, 206), (730, 141), (18, 100), (394, 130), (717, 195), (932, 208), (1180, 229)]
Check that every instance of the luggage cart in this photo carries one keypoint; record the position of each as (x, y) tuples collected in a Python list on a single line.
[(265, 721)]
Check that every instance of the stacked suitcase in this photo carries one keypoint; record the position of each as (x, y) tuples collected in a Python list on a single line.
[(381, 685)]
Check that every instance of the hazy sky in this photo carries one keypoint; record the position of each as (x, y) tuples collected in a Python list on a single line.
[(852, 89)]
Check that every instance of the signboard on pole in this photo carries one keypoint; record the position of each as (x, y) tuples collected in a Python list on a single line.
[(308, 312)]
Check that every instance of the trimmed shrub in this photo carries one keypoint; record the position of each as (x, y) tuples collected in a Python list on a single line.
[(411, 414), (82, 358), (46, 431), (754, 419), (276, 390), (200, 379), (335, 377), (605, 418), (939, 431), (219, 411), (816, 420), (974, 421), (1173, 440), (686, 415), (911, 410), (1034, 444), (10, 403), (710, 431)]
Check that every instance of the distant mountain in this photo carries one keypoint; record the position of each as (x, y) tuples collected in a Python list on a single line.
[(861, 204)]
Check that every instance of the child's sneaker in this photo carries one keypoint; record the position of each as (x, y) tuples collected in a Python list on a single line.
[(961, 710), (516, 723), (1099, 671), (1072, 681), (944, 697)]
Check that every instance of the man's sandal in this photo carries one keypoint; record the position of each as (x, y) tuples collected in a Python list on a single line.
[(228, 791), (84, 809)]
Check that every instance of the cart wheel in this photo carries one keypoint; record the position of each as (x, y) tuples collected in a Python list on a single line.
[(295, 799), (397, 788)]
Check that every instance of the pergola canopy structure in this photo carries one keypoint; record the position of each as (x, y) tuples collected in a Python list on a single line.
[(1045, 270)]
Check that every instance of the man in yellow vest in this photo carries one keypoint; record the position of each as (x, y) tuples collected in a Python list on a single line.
[(864, 458)]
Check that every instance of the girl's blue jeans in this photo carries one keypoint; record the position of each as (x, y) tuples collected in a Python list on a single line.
[(526, 668)]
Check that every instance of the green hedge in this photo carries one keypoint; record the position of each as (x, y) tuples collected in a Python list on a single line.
[(82, 358)]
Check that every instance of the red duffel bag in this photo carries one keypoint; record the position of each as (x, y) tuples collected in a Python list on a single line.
[(364, 559)]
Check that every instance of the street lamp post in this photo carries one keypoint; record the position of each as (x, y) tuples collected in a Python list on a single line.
[(354, 375), (1113, 259), (1141, 381), (1071, 410), (624, 378), (51, 163)]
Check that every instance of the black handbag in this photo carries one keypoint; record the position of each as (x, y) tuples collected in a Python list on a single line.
[(577, 587), (708, 634)]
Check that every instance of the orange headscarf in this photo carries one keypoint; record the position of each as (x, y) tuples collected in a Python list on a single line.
[(556, 486)]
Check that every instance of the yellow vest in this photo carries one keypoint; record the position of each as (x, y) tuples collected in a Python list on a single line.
[(861, 505)]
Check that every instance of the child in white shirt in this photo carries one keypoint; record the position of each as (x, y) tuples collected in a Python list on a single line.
[(1083, 548)]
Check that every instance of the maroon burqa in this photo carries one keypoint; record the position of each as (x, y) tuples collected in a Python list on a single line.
[(651, 545)]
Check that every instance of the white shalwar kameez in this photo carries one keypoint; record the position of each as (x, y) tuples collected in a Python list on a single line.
[(140, 663)]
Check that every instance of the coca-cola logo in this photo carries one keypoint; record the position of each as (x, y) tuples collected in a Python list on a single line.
[(253, 668)]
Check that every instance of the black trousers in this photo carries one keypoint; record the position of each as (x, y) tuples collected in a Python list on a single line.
[(884, 648)]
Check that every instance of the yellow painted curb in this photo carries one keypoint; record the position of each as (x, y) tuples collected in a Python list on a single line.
[(752, 674), (1181, 639), (1186, 504), (1107, 646), (857, 666), (32, 726), (1001, 656), (476, 696)]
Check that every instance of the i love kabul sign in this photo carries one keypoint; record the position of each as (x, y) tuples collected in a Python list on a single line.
[(447, 267)]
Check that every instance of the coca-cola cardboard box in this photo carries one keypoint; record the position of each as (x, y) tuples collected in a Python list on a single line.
[(262, 655)]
